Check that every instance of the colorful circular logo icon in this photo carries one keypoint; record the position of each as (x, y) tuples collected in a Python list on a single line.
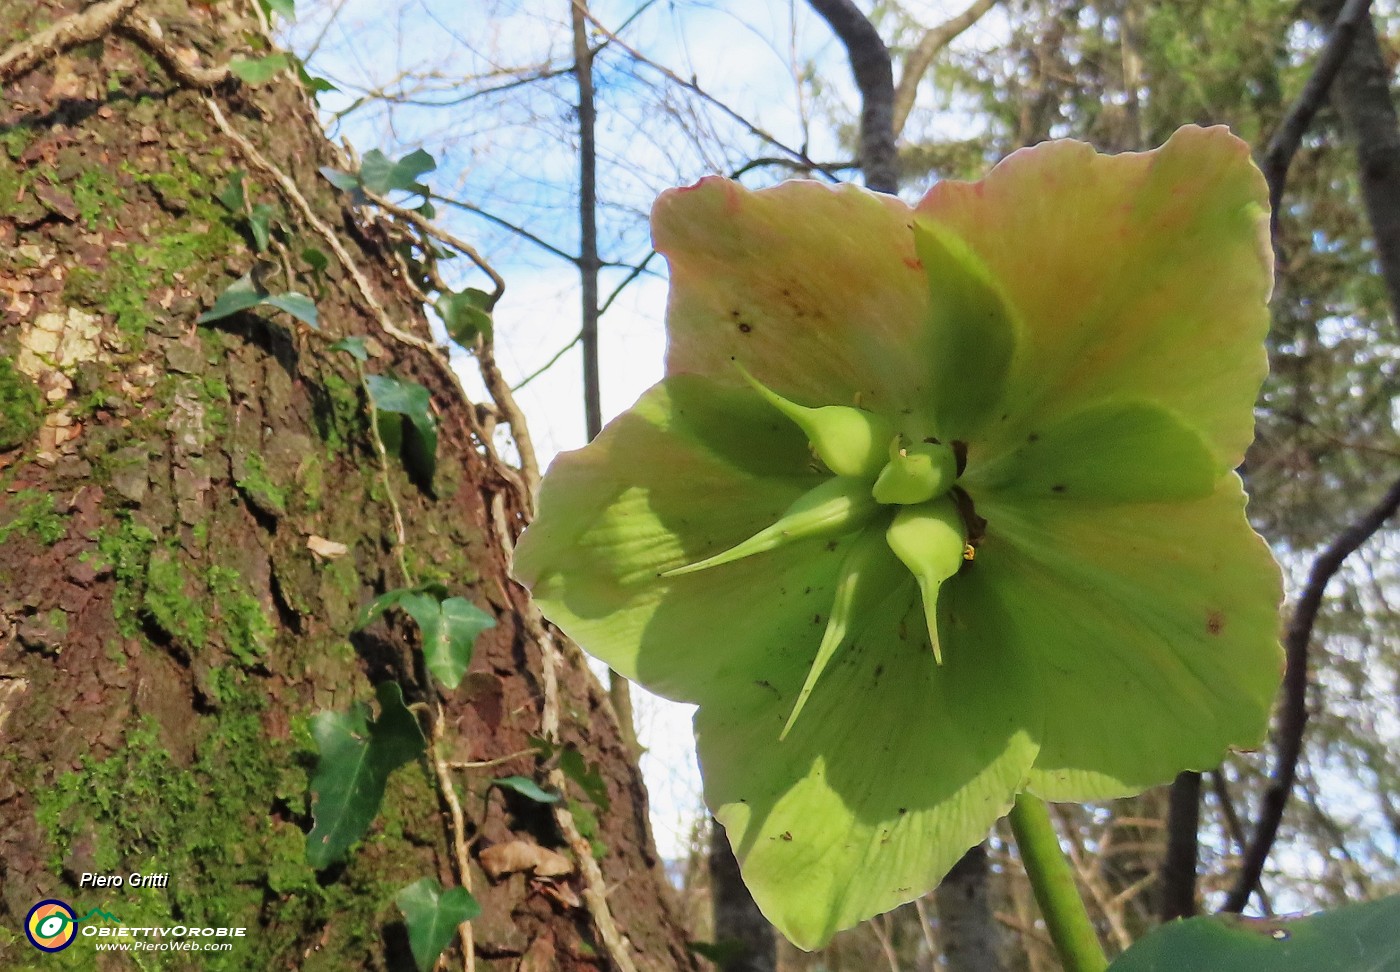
[(51, 925)]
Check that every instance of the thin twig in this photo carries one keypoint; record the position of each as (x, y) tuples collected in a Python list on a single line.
[(519, 231), (498, 285), (704, 95), (1293, 711), (548, 364), (460, 849), (79, 28)]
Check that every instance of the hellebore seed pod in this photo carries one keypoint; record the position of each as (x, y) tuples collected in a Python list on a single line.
[(929, 540), (833, 509), (916, 473), (851, 441)]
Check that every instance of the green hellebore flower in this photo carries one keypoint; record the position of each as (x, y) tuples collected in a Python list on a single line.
[(935, 506)]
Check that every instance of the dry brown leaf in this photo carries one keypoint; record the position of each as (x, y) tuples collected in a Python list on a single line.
[(515, 856), (329, 549)]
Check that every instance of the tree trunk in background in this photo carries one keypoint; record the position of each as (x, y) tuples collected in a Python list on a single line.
[(966, 927), (166, 634), (1362, 97), (737, 919)]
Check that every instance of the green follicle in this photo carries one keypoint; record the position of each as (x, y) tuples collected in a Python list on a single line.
[(916, 473), (851, 441), (868, 575), (929, 539), (833, 509)]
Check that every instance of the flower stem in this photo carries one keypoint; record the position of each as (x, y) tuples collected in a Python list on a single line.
[(1055, 891)]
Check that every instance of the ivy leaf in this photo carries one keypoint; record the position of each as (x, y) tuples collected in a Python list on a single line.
[(232, 194), (380, 175), (448, 649), (315, 259), (356, 758), (300, 306), (313, 84), (449, 627), (1356, 938), (259, 70), (353, 346), (432, 916), (526, 787), (576, 768), (245, 293), (395, 598), (465, 315), (344, 181), (283, 8), (411, 400), (260, 222)]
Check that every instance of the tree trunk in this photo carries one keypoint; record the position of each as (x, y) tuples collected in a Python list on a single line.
[(170, 619), (738, 922)]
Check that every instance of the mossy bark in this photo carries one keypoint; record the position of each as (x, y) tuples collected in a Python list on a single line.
[(166, 633)]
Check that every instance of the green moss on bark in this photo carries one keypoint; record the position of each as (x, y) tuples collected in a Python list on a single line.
[(21, 406)]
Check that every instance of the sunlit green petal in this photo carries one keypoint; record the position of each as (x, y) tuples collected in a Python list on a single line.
[(668, 482), (1110, 452), (869, 572), (1142, 275), (1152, 630), (815, 289), (897, 766)]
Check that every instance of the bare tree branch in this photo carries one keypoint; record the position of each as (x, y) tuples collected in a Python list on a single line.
[(1288, 136), (916, 65), (1178, 874), (874, 74), (1293, 712)]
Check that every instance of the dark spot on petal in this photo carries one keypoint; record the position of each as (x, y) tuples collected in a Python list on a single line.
[(1215, 622), (903, 810), (832, 544), (816, 619), (786, 835), (806, 590), (734, 313), (879, 670), (1058, 488), (745, 328), (1033, 437)]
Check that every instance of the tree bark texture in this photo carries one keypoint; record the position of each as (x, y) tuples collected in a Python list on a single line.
[(166, 631)]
